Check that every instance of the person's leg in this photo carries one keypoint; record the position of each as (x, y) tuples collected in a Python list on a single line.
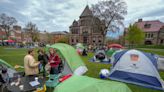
[(44, 71), (56, 70)]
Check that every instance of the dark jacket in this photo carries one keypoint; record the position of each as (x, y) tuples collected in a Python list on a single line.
[(43, 59)]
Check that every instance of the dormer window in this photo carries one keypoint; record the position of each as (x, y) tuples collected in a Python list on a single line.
[(147, 25)]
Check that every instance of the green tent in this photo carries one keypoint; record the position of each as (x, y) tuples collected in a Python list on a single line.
[(79, 45), (3, 63), (10, 69), (110, 52), (87, 84), (73, 62)]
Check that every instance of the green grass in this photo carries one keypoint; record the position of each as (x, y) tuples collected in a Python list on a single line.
[(15, 56)]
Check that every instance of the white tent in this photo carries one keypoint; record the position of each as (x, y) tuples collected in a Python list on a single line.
[(133, 66)]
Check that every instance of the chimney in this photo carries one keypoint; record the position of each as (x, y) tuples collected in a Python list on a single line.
[(140, 20)]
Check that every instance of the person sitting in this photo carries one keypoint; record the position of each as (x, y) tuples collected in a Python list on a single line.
[(84, 53), (4, 77), (30, 65), (54, 61), (43, 58)]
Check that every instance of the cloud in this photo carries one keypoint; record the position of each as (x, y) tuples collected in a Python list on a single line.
[(58, 15)]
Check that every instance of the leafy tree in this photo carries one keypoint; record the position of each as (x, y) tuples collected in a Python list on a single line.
[(63, 40), (32, 30), (112, 12), (135, 35), (7, 23)]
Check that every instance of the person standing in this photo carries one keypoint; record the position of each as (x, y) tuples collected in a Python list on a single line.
[(54, 61), (30, 65), (43, 58)]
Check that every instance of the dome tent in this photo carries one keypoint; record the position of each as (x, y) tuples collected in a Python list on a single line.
[(100, 57), (87, 84), (72, 62), (136, 67)]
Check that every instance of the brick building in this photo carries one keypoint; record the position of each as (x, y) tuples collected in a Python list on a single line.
[(154, 31), (87, 30)]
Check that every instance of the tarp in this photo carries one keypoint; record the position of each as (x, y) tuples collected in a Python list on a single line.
[(71, 57), (88, 84)]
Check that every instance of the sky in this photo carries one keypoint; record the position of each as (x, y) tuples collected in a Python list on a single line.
[(58, 15)]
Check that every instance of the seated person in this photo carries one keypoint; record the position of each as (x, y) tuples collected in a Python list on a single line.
[(84, 53), (30, 65), (4, 77), (54, 61), (100, 56)]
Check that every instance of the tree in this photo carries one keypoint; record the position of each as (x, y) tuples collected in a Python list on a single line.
[(32, 30), (135, 35), (6, 23), (64, 39), (50, 37), (112, 12)]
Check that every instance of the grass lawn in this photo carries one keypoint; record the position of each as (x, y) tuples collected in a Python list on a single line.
[(15, 56)]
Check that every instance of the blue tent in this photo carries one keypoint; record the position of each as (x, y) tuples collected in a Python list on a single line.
[(136, 67)]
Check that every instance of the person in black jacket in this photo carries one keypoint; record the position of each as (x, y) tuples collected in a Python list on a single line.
[(43, 58)]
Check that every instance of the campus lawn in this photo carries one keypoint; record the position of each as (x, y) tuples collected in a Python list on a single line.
[(15, 56)]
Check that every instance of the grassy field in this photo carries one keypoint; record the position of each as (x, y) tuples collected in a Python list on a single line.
[(15, 56)]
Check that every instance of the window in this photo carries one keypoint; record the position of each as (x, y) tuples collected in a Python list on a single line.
[(74, 31), (77, 40), (147, 25), (152, 35), (146, 35), (72, 40), (161, 42)]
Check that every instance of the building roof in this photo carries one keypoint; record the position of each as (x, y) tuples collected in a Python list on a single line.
[(59, 32), (153, 26), (86, 12)]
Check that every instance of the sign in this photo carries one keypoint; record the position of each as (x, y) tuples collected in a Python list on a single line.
[(134, 57)]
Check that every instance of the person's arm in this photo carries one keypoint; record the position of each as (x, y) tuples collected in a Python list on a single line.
[(32, 62), (57, 60)]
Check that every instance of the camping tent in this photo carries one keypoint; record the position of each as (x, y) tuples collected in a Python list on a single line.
[(110, 52), (10, 69), (72, 61), (161, 63), (87, 84), (100, 56), (79, 45), (133, 66), (79, 48), (115, 46)]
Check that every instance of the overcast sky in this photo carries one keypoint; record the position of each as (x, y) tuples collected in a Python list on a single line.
[(58, 15)]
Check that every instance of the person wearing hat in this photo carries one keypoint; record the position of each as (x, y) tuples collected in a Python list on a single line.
[(30, 65)]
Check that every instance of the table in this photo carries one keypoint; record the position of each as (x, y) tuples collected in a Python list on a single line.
[(25, 82)]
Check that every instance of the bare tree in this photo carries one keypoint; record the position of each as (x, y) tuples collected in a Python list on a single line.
[(6, 23), (32, 30), (112, 12)]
